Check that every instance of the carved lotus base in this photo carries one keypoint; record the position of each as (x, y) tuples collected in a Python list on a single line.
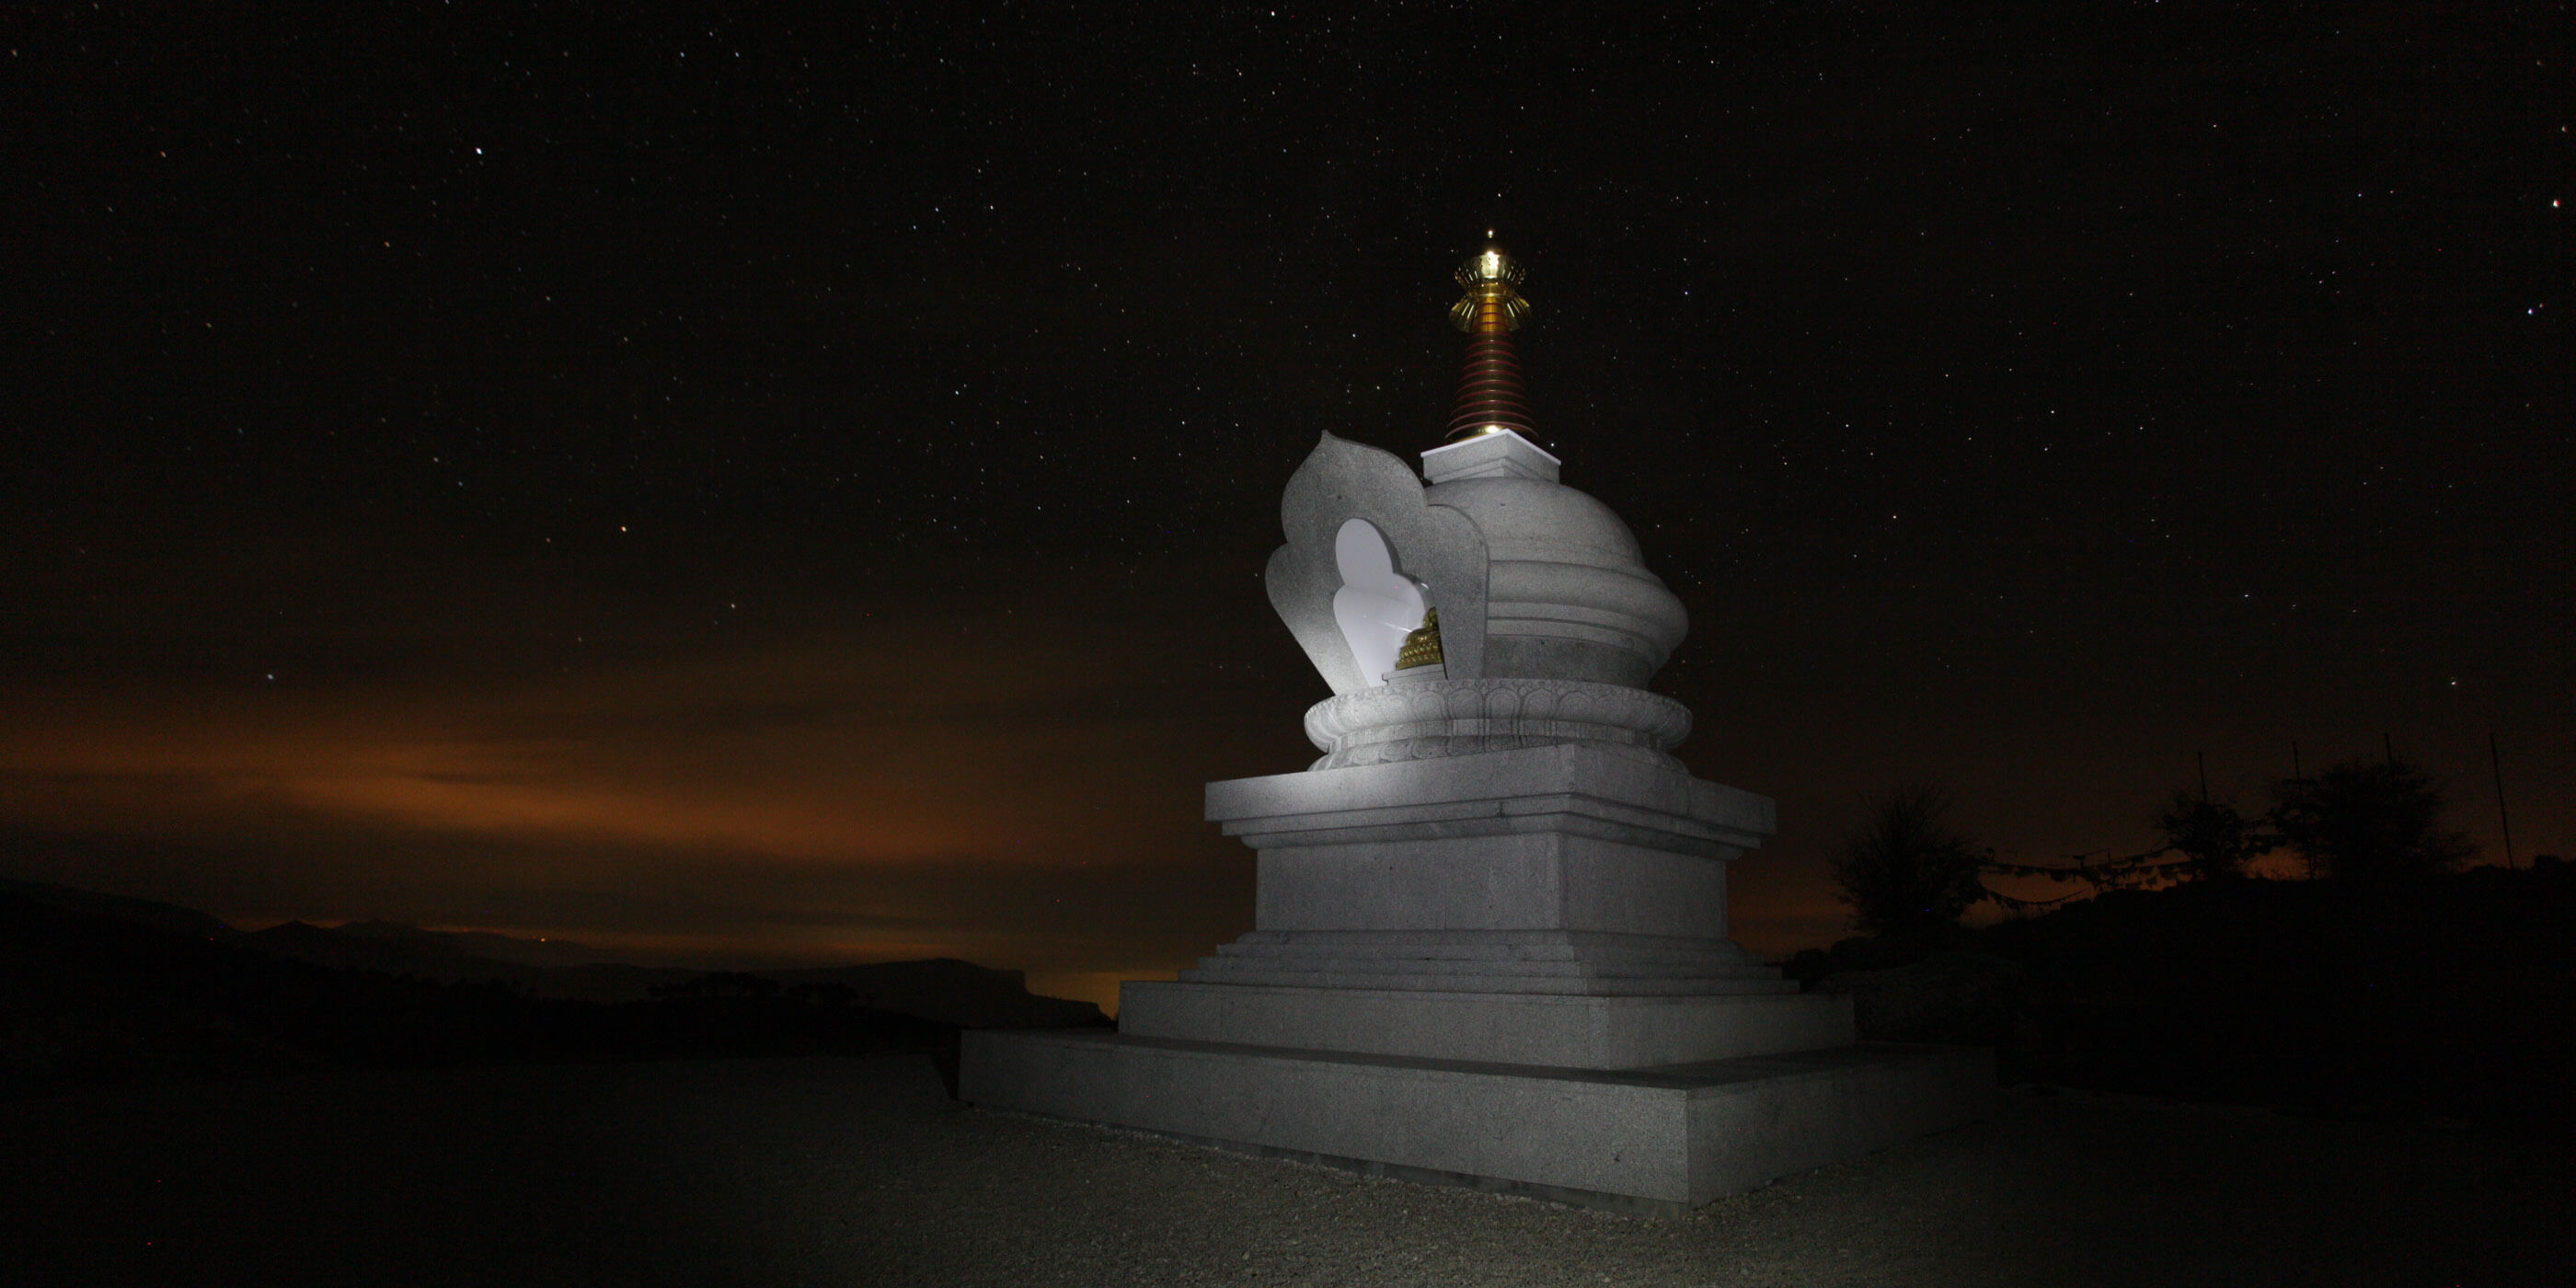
[(1425, 719)]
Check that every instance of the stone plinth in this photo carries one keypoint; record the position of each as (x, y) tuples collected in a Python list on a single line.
[(1574, 837), (1571, 1032), (1656, 1141), (1507, 969), (1561, 905)]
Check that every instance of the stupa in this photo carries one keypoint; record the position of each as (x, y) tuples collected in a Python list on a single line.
[(1490, 939)]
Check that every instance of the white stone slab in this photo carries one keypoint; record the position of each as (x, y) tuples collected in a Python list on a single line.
[(1496, 454), (1559, 1030), (1615, 783), (1536, 881), (1491, 961), (1659, 1140)]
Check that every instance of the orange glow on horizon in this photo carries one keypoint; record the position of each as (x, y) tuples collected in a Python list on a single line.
[(869, 764)]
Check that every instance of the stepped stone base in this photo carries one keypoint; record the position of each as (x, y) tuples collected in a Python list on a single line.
[(1569, 1031), (1507, 969), (1658, 1140), (1472, 961)]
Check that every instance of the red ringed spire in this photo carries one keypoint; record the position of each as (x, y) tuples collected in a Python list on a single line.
[(1490, 397)]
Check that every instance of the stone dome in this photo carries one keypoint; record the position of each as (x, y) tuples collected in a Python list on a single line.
[(1568, 595)]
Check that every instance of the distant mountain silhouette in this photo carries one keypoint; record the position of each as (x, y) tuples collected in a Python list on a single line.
[(389, 947), (451, 957), (944, 991), (481, 943), (951, 992), (97, 991), (141, 912)]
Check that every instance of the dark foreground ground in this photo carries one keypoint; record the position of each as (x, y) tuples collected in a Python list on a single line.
[(860, 1171)]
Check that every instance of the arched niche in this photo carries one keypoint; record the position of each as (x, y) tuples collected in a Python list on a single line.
[(1377, 606), (1437, 552)]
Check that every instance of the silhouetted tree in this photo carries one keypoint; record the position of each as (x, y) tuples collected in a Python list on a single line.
[(2214, 838), (2369, 820), (1905, 870)]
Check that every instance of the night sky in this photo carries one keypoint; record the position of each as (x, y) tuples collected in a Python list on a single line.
[(792, 484)]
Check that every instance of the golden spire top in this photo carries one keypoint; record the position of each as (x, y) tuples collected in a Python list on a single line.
[(1489, 392), (1493, 300)]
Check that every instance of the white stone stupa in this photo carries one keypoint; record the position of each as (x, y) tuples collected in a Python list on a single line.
[(1490, 941)]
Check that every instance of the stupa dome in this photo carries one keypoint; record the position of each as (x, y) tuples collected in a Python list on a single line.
[(1568, 595)]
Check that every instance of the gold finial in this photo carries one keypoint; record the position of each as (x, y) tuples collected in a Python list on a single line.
[(1489, 390), (1422, 647), (1493, 300)]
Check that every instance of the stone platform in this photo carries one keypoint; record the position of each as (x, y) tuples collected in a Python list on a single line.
[(1654, 1141), (1571, 1031), (1507, 969)]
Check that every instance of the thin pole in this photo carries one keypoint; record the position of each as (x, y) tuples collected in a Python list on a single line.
[(2389, 746), (2495, 760), (2203, 758), (2295, 771)]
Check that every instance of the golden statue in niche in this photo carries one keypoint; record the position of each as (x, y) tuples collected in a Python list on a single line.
[(1422, 646)]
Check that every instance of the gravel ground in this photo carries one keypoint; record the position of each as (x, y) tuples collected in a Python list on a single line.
[(861, 1172)]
